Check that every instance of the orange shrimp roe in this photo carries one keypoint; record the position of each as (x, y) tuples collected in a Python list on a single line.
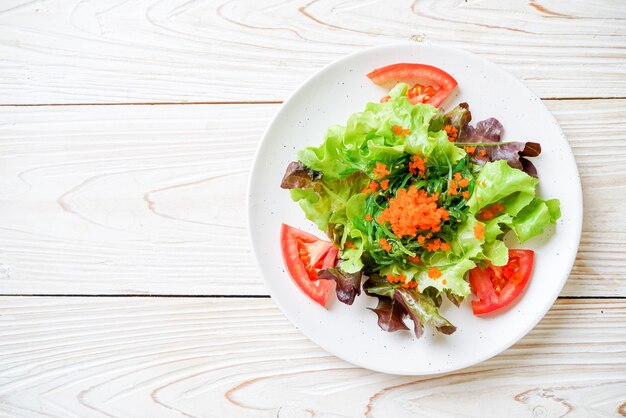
[(457, 182), (381, 170), (436, 245), (410, 285), (490, 212), (398, 130), (396, 279), (350, 245), (422, 238), (371, 188), (479, 231), (368, 217), (470, 149), (418, 165), (415, 259), (434, 273), (453, 188), (384, 244), (452, 132), (384, 184), (411, 210)]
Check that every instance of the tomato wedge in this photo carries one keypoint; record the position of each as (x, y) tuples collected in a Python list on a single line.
[(496, 287), (304, 255), (440, 82)]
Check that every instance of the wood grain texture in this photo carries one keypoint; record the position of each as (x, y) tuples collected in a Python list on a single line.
[(148, 51), (150, 199), (160, 357)]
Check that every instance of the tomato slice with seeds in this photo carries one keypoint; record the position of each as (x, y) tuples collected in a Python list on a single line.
[(421, 94), (440, 83), (304, 255), (496, 287)]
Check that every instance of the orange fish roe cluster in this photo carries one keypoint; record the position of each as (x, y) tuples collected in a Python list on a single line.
[(350, 245), (434, 273), (479, 231), (415, 259), (453, 188), (422, 238), (399, 130), (418, 165), (457, 183), (384, 244), (452, 132), (490, 212), (410, 285), (368, 217), (436, 245), (412, 210), (384, 184), (470, 149), (381, 171), (371, 188), (483, 153), (396, 279)]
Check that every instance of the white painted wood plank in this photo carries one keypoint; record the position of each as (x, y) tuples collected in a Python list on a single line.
[(75, 51), (160, 357), (150, 199), (127, 199)]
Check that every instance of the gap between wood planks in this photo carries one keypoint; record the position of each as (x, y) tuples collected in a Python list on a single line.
[(259, 102)]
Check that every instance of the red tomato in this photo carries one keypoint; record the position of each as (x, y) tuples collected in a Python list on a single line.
[(497, 287), (440, 82), (421, 94), (304, 255)]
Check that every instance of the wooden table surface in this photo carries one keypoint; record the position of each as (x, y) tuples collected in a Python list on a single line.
[(127, 283)]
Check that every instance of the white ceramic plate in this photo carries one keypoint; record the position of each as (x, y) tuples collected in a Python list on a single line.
[(351, 332)]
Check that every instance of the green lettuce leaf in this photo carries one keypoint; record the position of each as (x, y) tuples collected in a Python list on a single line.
[(368, 138), (527, 215), (496, 252), (452, 273), (501, 181), (535, 218), (327, 201)]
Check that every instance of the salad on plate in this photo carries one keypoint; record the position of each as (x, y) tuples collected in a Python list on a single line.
[(415, 202)]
